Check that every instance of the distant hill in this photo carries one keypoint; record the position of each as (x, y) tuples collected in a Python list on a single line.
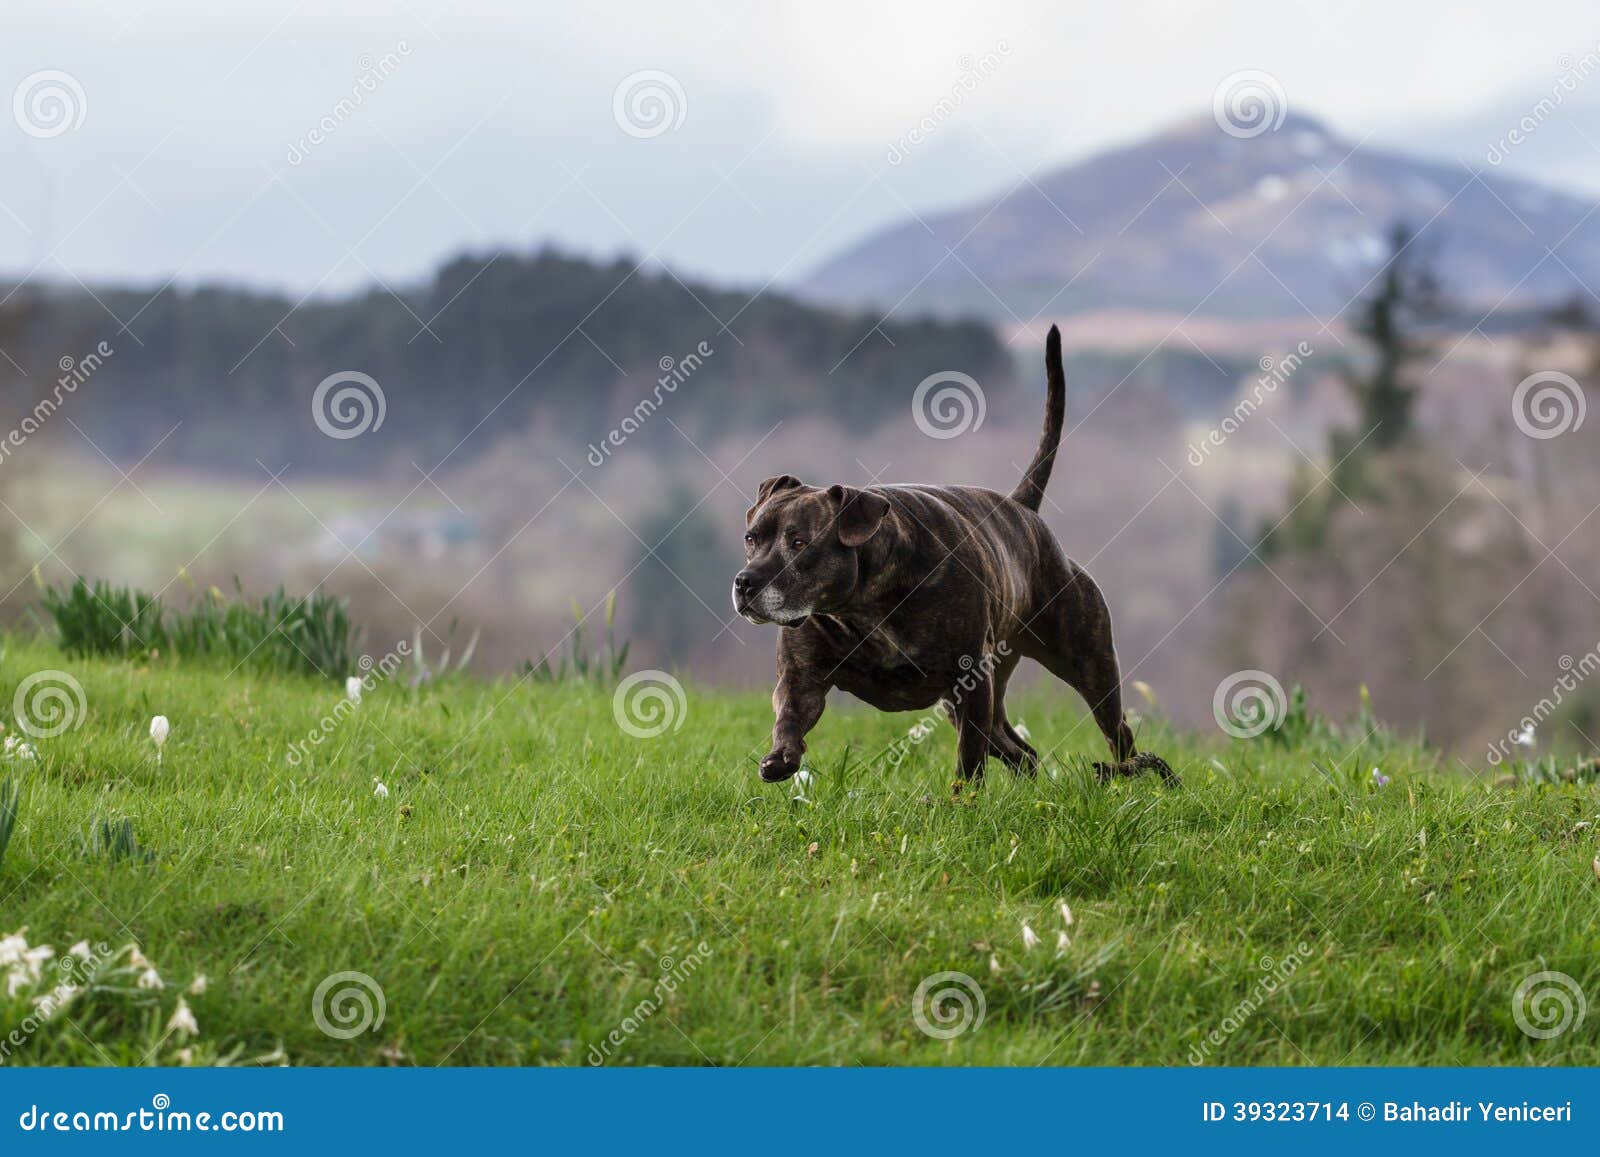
[(493, 345), (1194, 219)]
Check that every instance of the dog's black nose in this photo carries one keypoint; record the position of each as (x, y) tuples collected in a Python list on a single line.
[(743, 582)]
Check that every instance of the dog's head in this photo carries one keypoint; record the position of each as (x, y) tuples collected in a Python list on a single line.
[(802, 549)]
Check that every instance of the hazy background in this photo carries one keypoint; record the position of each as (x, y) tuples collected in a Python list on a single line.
[(462, 203)]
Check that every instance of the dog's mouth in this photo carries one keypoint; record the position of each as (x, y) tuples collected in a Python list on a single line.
[(753, 611)]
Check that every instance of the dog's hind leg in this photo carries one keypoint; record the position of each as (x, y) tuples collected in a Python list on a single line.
[(1072, 638)]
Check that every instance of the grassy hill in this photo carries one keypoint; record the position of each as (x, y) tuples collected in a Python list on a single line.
[(539, 886)]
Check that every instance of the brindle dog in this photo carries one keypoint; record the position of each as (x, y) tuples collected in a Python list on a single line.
[(909, 595)]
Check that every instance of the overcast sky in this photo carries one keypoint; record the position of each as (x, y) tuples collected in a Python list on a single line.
[(497, 123)]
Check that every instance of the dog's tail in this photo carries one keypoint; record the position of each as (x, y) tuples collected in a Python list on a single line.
[(1030, 491)]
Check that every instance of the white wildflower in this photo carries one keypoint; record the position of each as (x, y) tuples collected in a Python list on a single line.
[(183, 1020), (1066, 914), (352, 688), (197, 986), (1022, 731), (1030, 938), (379, 790), (149, 978), (1063, 942)]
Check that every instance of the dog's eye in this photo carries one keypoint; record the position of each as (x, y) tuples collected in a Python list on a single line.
[(749, 540), (797, 544)]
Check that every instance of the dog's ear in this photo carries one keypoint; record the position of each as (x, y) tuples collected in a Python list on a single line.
[(769, 487), (860, 513)]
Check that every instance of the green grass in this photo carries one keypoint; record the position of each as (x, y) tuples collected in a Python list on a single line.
[(516, 894)]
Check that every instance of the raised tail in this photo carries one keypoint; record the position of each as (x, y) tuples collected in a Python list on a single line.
[(1030, 491)]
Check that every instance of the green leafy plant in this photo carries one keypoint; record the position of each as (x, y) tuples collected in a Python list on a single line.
[(424, 673), (580, 663), (105, 620), (114, 839), (310, 635)]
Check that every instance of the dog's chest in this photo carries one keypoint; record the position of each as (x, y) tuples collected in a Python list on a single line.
[(888, 666)]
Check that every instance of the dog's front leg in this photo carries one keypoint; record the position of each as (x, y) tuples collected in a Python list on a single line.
[(974, 719), (797, 702)]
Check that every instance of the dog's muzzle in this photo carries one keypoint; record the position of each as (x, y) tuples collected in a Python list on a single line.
[(745, 590)]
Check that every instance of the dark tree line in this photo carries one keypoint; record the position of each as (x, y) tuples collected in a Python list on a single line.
[(555, 342)]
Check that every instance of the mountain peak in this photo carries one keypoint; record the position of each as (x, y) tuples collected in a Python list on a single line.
[(1274, 218), (1206, 123)]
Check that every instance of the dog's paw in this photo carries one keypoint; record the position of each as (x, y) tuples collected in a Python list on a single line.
[(779, 766), (1138, 765), (1155, 763)]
